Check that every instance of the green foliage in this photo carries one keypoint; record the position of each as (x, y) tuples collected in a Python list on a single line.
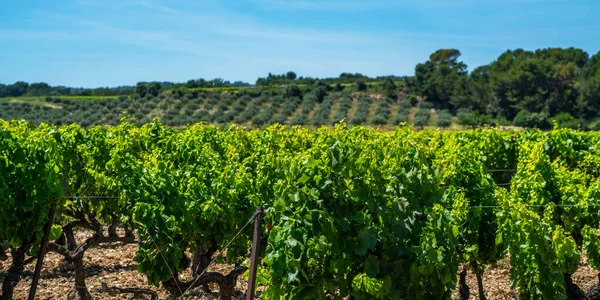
[(405, 104), (291, 91), (468, 117), (435, 79), (361, 86), (362, 110), (565, 120), (389, 88), (351, 211), (533, 120), (444, 118), (342, 111), (290, 75), (421, 117), (595, 125), (412, 99), (425, 105), (401, 117)]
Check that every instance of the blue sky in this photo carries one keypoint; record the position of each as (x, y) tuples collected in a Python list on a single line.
[(92, 43)]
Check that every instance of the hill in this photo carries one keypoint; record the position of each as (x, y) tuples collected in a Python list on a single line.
[(251, 107)]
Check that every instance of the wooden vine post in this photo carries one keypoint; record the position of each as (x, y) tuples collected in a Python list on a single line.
[(41, 254), (258, 215)]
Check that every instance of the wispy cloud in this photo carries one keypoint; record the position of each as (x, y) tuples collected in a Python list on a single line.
[(358, 5), (228, 24), (324, 5), (26, 34), (161, 8)]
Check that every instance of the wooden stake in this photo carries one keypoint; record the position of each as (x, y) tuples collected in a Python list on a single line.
[(41, 253), (255, 252)]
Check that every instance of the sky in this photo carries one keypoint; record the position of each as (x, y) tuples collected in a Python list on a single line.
[(97, 43)]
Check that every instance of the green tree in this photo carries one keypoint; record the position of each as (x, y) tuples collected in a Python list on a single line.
[(435, 79), (291, 91), (290, 75), (361, 86), (141, 89), (444, 118), (540, 81), (389, 88), (421, 117), (17, 89), (154, 88), (588, 103)]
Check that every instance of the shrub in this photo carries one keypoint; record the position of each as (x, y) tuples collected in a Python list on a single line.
[(468, 117), (425, 105), (379, 120), (401, 118), (421, 117), (320, 93), (444, 119), (526, 118), (412, 99), (361, 86), (565, 120), (292, 90), (405, 104), (594, 125)]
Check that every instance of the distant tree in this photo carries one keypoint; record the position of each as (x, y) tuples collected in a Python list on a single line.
[(421, 118), (444, 118), (405, 104), (141, 89), (412, 99), (361, 86), (402, 117), (192, 84), (154, 88), (290, 75), (85, 92), (538, 81), (292, 90), (389, 88), (39, 89), (17, 89), (435, 79), (320, 93)]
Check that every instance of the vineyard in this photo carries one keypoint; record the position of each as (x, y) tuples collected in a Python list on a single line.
[(349, 212)]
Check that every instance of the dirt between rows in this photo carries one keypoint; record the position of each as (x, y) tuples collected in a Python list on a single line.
[(113, 265)]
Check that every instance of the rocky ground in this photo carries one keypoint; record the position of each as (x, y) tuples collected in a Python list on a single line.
[(114, 266)]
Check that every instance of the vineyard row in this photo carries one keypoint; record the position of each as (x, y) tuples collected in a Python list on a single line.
[(349, 211)]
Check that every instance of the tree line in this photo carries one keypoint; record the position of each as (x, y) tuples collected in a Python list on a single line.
[(528, 88)]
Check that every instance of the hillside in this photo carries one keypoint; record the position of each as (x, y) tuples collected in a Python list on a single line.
[(251, 108)]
